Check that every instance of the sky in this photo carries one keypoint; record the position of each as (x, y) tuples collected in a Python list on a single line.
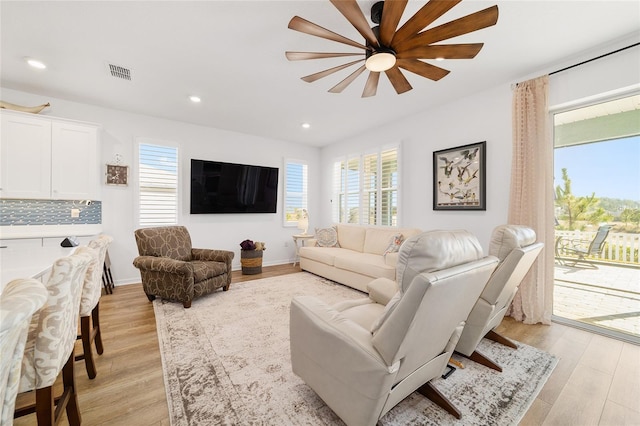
[(611, 169)]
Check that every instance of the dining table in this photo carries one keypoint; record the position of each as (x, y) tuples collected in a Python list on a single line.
[(29, 262)]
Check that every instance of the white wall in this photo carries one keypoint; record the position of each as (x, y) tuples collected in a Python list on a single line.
[(118, 136), (484, 116)]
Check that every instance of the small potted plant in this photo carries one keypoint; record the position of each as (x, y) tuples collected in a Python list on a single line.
[(251, 256)]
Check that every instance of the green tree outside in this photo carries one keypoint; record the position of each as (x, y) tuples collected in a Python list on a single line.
[(575, 210)]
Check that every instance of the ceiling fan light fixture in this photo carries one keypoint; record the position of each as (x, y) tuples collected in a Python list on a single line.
[(380, 61)]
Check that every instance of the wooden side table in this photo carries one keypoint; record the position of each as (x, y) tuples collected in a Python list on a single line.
[(302, 238)]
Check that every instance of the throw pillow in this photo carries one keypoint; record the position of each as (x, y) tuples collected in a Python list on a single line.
[(394, 244), (327, 237)]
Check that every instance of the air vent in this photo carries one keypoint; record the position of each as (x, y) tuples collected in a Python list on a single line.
[(118, 71)]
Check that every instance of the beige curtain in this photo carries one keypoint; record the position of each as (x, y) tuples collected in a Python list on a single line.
[(531, 196)]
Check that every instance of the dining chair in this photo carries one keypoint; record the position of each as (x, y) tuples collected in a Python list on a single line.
[(90, 306), (49, 350), (20, 299)]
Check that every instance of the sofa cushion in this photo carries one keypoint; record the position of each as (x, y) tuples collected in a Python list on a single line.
[(324, 255), (351, 237), (376, 241), (371, 265), (327, 237)]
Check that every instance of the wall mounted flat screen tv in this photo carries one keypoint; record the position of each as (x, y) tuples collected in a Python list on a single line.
[(218, 187)]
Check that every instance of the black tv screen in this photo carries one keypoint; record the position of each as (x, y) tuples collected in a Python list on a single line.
[(218, 187)]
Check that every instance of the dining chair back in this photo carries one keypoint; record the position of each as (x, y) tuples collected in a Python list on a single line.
[(90, 306), (20, 299), (49, 350)]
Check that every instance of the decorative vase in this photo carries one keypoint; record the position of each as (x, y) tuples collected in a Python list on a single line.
[(251, 261)]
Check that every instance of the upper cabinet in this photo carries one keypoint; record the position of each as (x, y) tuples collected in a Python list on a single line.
[(48, 158)]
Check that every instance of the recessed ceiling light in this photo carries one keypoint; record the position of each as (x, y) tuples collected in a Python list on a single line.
[(439, 59), (35, 63), (195, 99), (306, 125)]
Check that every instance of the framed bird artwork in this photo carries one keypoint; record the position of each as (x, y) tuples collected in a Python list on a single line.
[(459, 181)]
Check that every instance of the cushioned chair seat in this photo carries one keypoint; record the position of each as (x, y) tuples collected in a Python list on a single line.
[(207, 269)]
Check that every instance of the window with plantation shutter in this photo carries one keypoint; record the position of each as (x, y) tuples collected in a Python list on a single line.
[(365, 189), (158, 185), (295, 187)]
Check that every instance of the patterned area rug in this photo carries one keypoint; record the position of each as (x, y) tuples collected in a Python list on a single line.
[(226, 362)]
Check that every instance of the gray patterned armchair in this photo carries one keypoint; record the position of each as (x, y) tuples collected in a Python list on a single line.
[(173, 270)]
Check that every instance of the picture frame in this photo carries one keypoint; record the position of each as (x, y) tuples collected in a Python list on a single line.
[(116, 174), (459, 177)]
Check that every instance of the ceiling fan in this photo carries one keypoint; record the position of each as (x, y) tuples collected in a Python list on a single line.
[(388, 50)]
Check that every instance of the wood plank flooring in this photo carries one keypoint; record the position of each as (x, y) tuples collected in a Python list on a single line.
[(596, 382)]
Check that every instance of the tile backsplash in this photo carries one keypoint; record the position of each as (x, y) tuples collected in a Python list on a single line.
[(14, 212)]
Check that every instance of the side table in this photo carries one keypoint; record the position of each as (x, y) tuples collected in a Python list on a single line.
[(302, 238)]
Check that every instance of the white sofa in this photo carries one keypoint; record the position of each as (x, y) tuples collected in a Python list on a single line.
[(360, 257)]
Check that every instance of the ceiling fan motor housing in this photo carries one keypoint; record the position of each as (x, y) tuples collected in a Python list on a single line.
[(376, 12)]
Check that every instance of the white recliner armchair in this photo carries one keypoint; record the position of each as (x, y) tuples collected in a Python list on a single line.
[(362, 357), (517, 249)]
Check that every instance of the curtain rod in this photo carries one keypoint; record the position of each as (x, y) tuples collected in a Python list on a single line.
[(514, 85), (594, 59)]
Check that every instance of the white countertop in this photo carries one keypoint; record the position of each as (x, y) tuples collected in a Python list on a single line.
[(29, 262), (44, 231)]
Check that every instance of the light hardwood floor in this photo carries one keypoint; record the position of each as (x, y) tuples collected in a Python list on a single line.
[(597, 380)]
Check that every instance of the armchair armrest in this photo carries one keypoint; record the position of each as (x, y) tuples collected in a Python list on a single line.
[(337, 346), (381, 290), (163, 264), (212, 255)]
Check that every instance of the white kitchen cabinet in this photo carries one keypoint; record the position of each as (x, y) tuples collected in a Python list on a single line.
[(48, 158), (25, 151)]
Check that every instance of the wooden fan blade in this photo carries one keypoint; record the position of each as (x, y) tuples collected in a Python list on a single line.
[(301, 56), (467, 24), (347, 81), (446, 51), (300, 24), (398, 80), (428, 13), (371, 87), (351, 11), (423, 69), (391, 14), (317, 76)]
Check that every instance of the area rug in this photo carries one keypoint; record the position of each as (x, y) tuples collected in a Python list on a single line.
[(226, 361)]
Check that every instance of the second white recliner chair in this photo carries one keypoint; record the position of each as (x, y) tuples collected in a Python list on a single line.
[(517, 249)]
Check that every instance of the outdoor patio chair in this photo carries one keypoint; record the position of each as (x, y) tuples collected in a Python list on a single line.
[(571, 252)]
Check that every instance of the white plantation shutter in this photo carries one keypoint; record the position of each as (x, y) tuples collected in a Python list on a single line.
[(389, 188), (339, 179), (158, 185), (370, 189), (365, 189), (352, 208), (295, 183)]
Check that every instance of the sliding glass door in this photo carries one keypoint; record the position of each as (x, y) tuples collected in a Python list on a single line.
[(597, 207)]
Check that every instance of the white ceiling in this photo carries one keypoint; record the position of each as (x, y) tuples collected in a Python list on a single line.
[(231, 54)]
